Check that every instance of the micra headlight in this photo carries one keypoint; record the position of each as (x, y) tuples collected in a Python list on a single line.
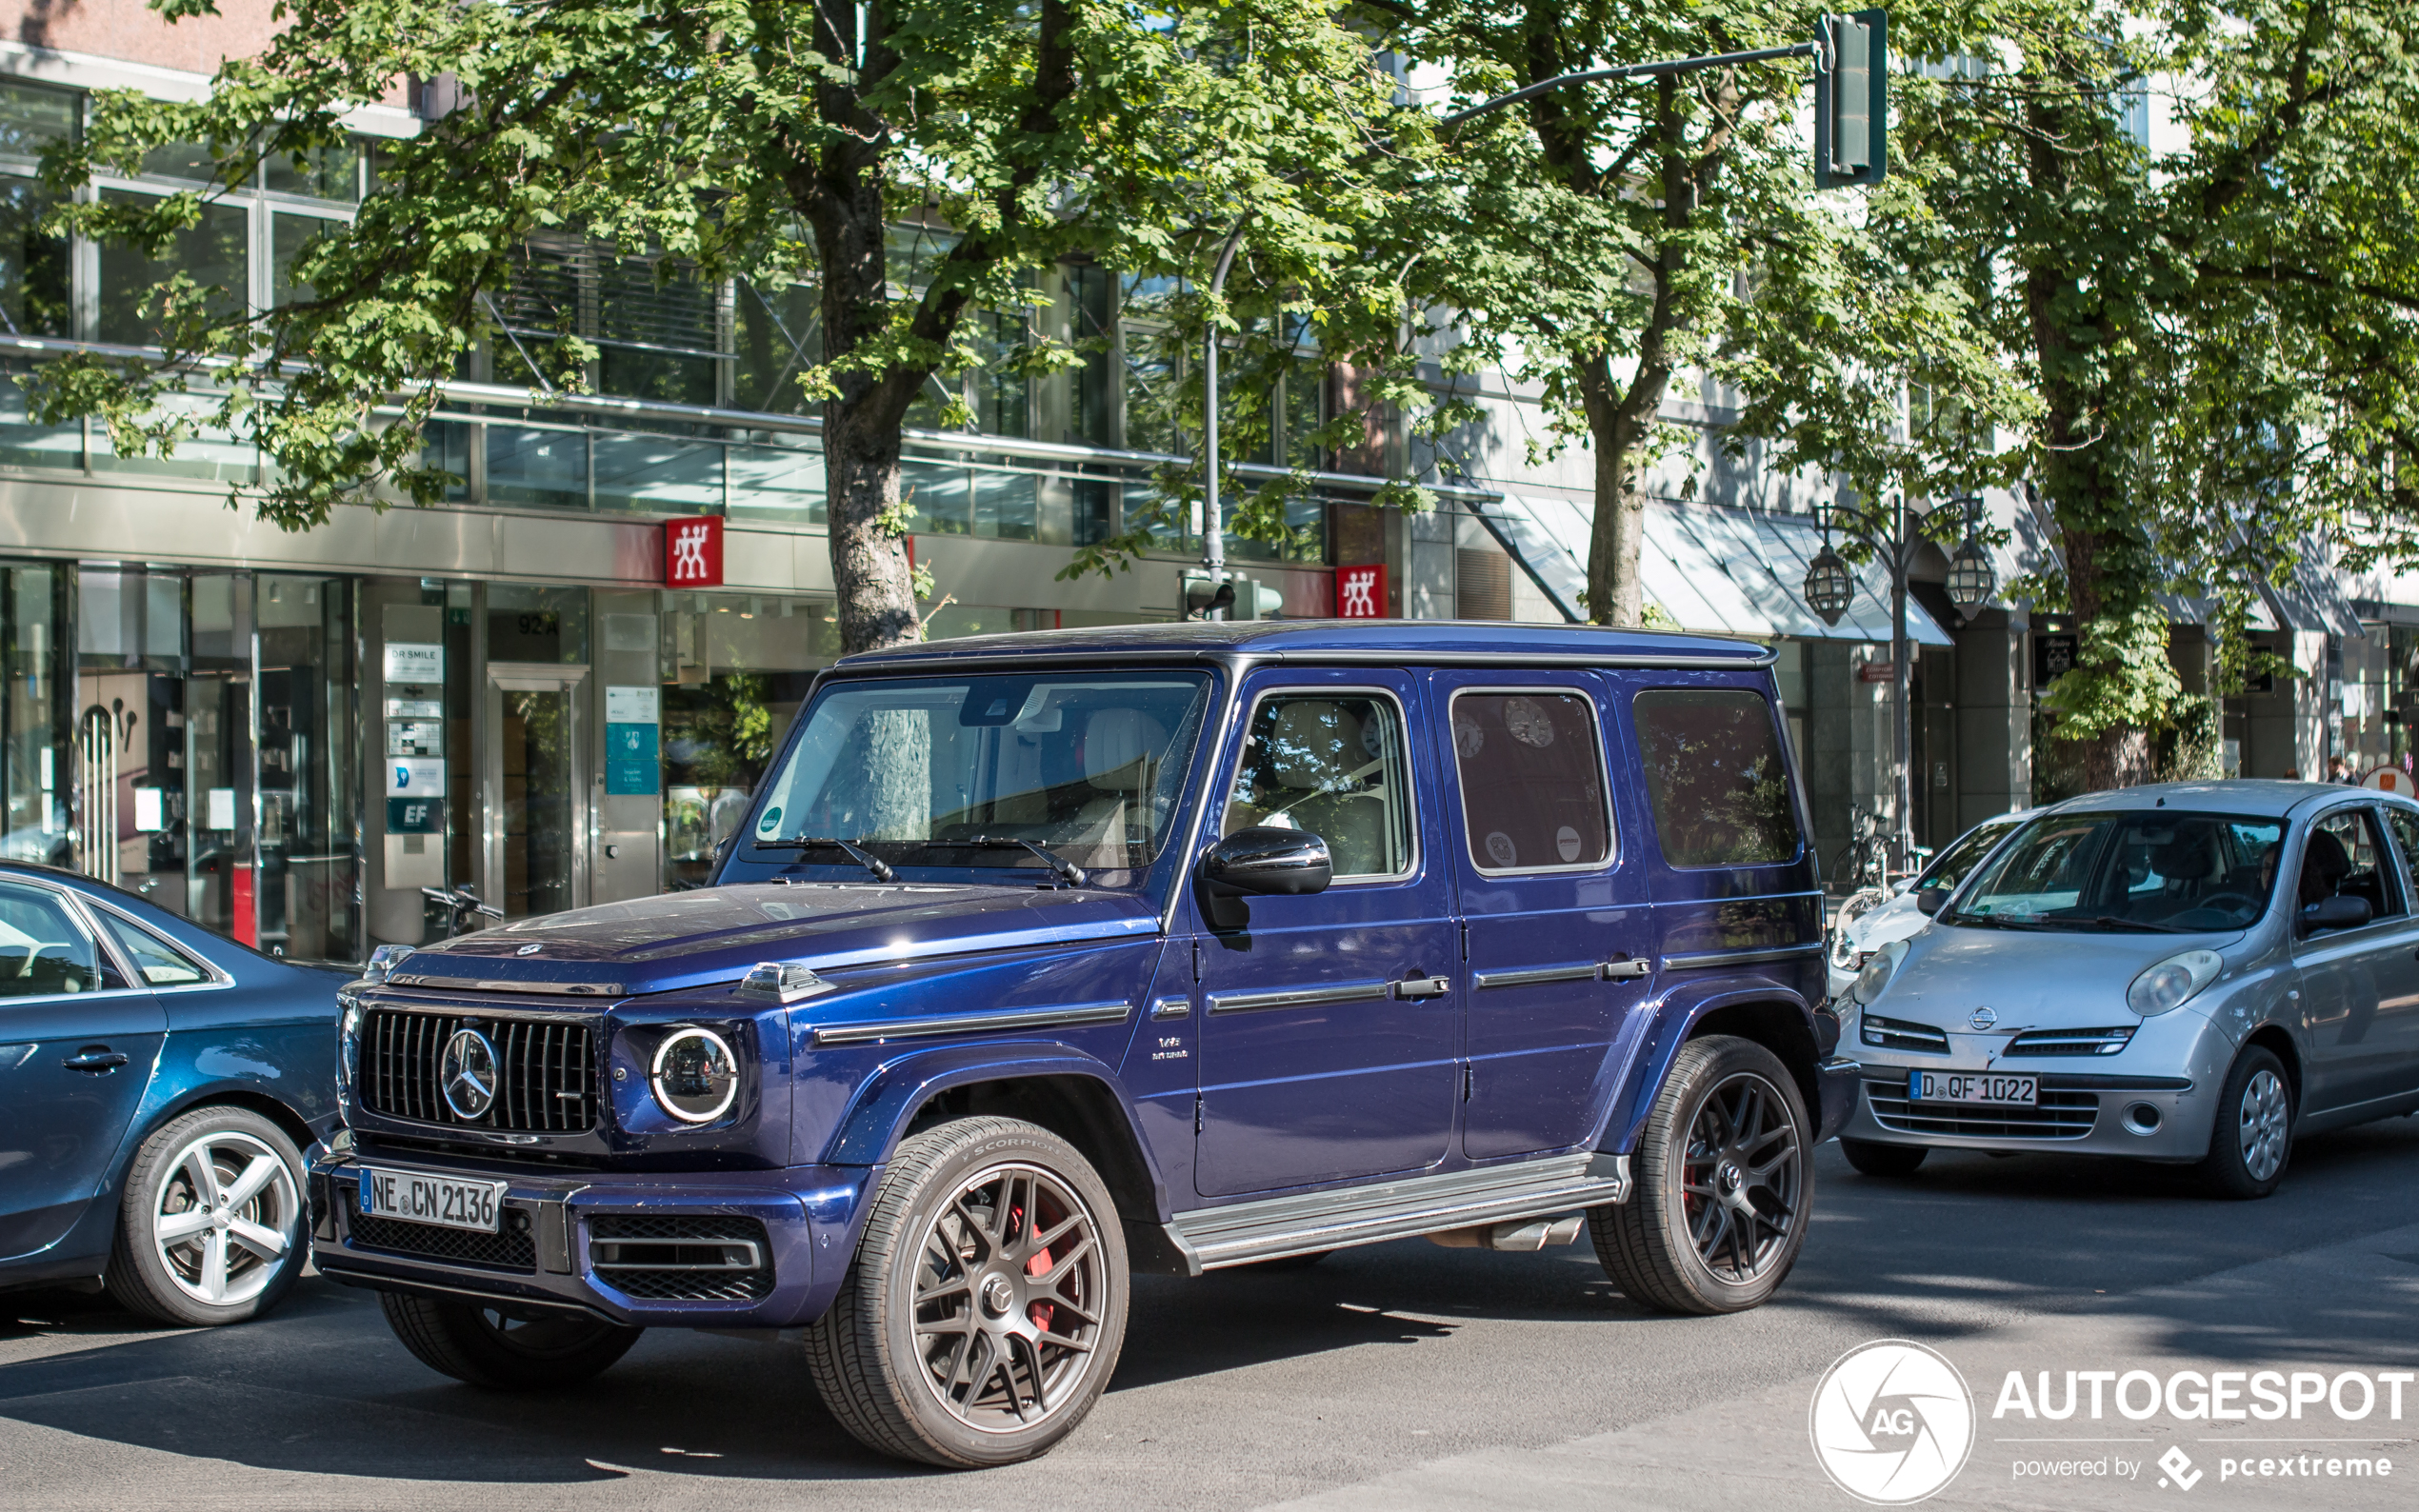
[(1879, 967), (2173, 982)]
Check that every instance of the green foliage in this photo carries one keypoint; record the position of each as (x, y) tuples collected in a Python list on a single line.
[(2192, 748)]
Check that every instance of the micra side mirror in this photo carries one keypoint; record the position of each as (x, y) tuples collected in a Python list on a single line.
[(1931, 899), (1269, 861), (2334, 913)]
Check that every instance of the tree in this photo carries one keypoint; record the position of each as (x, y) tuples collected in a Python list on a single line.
[(713, 137)]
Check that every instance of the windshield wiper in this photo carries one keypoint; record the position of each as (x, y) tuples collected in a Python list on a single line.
[(863, 857), (1065, 870), (2112, 922), (1993, 921)]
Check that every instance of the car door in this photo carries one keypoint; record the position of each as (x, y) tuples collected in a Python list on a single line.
[(2359, 987), (77, 1044), (1329, 1024), (1556, 927)]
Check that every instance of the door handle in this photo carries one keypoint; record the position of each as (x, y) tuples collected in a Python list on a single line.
[(96, 1058), (1423, 986), (1630, 969)]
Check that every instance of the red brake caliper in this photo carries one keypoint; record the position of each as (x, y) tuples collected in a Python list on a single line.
[(1041, 1312)]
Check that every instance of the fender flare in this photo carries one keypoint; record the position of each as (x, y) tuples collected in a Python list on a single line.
[(878, 1114), (1677, 1013)]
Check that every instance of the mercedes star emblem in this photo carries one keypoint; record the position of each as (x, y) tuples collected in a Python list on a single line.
[(1983, 1019), (468, 1078)]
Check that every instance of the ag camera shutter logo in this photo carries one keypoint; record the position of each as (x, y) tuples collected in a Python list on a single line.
[(1892, 1422)]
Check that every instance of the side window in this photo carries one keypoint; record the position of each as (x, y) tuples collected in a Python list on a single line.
[(156, 961), (1331, 763), (43, 951), (2345, 857), (1533, 781), (2405, 829), (1715, 777)]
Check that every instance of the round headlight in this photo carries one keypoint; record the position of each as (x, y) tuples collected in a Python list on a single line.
[(2173, 982), (1879, 967), (696, 1075)]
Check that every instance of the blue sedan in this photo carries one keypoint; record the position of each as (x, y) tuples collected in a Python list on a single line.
[(158, 1085)]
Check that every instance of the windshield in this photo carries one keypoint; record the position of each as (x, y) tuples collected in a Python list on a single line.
[(1962, 856), (1087, 765), (2148, 871)]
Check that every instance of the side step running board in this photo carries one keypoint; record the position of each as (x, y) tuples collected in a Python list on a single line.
[(1271, 1228)]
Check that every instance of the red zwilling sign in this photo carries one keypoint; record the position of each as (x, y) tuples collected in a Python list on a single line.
[(1360, 592), (693, 552)]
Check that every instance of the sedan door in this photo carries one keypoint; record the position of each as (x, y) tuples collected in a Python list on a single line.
[(77, 1044)]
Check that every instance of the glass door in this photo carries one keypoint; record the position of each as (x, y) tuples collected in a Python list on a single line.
[(535, 779)]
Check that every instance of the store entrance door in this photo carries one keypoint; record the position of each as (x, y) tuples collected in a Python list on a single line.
[(533, 773)]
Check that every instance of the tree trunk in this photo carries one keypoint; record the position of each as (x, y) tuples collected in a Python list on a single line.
[(1617, 593)]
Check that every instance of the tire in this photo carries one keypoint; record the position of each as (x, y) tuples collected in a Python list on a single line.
[(2253, 1140), (171, 1259), (1873, 1158), (986, 1235), (1730, 1112), (482, 1347)]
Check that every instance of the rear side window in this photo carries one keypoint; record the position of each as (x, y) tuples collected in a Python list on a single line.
[(1533, 781), (1715, 777), (161, 963)]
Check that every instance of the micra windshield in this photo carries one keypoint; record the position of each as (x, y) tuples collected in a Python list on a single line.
[(976, 772), (2159, 871)]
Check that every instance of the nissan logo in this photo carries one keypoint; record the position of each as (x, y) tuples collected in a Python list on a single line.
[(1983, 1019), (468, 1078)]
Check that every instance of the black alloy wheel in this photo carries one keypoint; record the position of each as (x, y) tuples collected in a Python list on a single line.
[(1723, 1174)]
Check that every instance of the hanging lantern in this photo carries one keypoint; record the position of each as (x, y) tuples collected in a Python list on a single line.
[(1829, 587), (1971, 579)]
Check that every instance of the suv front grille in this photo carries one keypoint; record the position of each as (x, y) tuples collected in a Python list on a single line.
[(2071, 1041), (671, 1257), (1897, 1034), (547, 1071), (513, 1249), (2062, 1114)]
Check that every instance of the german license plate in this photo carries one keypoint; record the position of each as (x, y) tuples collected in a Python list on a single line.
[(1966, 1086), (418, 1198)]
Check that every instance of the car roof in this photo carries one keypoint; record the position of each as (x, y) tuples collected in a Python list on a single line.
[(1389, 641), (2269, 797)]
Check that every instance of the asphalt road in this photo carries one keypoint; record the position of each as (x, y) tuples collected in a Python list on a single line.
[(1392, 1378)]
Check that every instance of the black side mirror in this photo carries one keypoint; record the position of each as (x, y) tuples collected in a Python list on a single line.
[(2334, 913), (1266, 860), (1931, 899)]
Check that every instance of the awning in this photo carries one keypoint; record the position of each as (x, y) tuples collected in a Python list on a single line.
[(1730, 571), (2307, 598)]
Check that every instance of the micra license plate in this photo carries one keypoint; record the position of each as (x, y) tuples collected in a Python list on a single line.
[(1972, 1087), (417, 1197)]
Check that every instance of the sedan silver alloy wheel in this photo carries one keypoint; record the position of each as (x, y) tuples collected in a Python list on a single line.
[(225, 1210), (2262, 1117), (1008, 1299)]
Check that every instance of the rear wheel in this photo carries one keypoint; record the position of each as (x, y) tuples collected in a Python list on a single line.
[(486, 1346), (1873, 1158), (2254, 1134), (1724, 1178), (209, 1227), (986, 1307)]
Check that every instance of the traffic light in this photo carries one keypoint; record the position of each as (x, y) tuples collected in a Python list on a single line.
[(1237, 598), (1851, 99)]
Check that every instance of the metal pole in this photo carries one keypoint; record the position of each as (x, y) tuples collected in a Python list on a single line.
[(1213, 535), (1902, 733)]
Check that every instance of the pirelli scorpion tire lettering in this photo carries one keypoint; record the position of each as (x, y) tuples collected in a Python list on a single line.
[(986, 1306)]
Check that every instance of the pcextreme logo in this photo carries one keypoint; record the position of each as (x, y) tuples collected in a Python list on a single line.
[(1892, 1422)]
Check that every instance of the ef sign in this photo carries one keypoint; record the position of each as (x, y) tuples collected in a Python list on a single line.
[(693, 552), (1360, 592)]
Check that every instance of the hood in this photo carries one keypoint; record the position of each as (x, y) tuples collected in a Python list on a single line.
[(715, 934), (2028, 980)]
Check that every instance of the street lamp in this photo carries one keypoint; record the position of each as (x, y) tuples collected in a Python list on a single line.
[(1971, 578), (1829, 587)]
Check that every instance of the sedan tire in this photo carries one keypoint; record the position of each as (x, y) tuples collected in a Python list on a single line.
[(1873, 1158), (211, 1223), (2254, 1135)]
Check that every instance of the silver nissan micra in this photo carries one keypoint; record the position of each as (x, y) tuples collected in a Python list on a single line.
[(2191, 972)]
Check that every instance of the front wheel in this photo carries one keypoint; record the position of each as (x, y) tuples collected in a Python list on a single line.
[(1724, 1178), (2254, 1134), (485, 1347), (211, 1226), (986, 1307)]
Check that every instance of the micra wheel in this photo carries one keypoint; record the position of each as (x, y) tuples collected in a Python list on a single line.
[(984, 1308), (2254, 1134), (486, 1346), (211, 1223), (1873, 1158), (1724, 1173)]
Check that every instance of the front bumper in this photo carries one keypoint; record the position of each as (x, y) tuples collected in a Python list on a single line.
[(546, 1251), (2098, 1112)]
